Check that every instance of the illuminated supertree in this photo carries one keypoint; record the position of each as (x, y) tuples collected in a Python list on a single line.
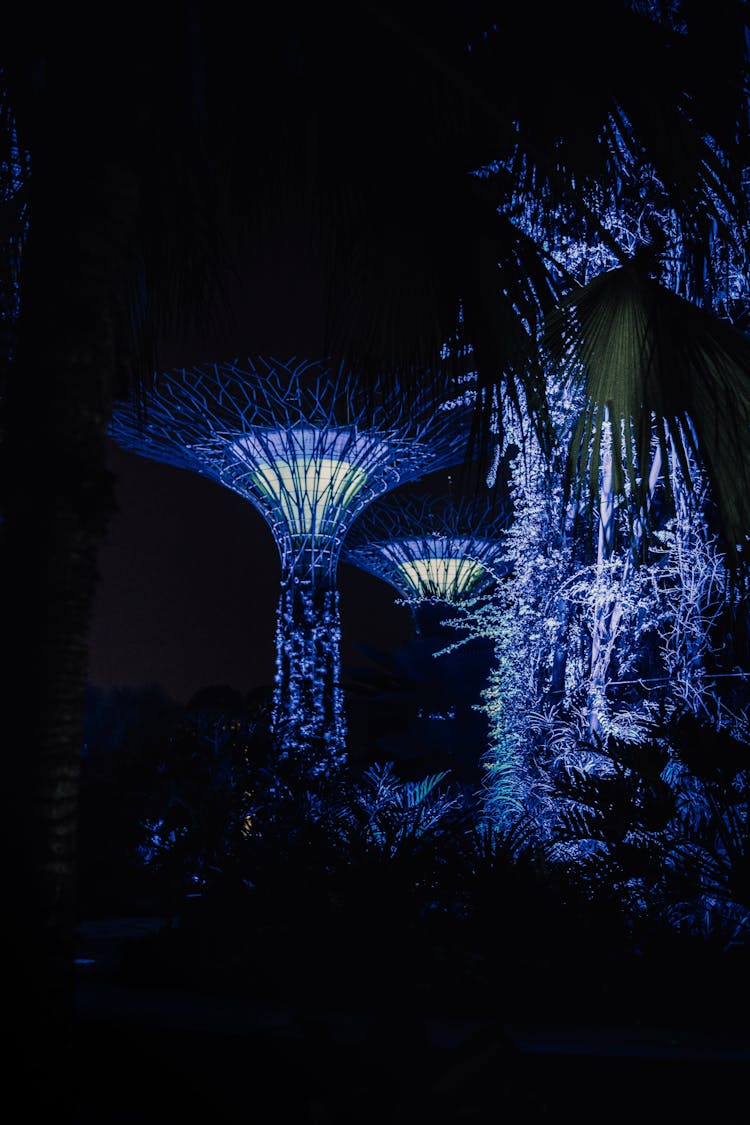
[(438, 553), (310, 447), (433, 550)]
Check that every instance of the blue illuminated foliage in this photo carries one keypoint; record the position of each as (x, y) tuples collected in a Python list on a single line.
[(616, 658), (618, 613), (610, 610), (660, 828)]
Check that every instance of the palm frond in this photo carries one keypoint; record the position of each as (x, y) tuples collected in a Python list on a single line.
[(642, 353), (416, 792)]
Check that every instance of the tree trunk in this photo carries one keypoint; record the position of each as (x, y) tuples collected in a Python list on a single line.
[(608, 610), (57, 496), (602, 621)]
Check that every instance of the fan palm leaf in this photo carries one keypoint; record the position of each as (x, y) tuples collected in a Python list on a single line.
[(641, 354), (372, 157)]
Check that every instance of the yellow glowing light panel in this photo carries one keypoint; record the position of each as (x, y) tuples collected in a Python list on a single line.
[(309, 491), (442, 577)]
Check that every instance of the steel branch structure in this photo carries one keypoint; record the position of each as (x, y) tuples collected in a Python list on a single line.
[(430, 548), (311, 448)]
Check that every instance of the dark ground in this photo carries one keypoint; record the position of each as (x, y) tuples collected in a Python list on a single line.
[(154, 1052)]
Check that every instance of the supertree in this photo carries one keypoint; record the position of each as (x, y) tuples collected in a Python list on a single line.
[(310, 446), (439, 552), (434, 550)]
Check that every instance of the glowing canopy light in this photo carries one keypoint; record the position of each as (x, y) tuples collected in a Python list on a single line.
[(310, 477), (310, 447), (430, 548), (307, 492), (439, 575)]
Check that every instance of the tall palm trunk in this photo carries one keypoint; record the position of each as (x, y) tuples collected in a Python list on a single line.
[(57, 496), (603, 623), (609, 608)]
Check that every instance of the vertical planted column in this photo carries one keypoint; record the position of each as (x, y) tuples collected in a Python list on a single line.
[(308, 710)]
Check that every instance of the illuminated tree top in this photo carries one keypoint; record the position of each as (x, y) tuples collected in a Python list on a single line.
[(304, 441), (430, 548)]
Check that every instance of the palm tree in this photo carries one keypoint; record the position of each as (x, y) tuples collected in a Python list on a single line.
[(398, 155)]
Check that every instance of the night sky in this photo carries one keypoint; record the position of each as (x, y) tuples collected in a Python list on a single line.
[(189, 580)]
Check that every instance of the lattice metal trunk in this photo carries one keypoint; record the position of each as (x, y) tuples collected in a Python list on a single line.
[(310, 449)]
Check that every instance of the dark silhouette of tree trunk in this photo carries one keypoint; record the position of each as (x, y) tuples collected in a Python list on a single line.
[(57, 497), (80, 338)]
